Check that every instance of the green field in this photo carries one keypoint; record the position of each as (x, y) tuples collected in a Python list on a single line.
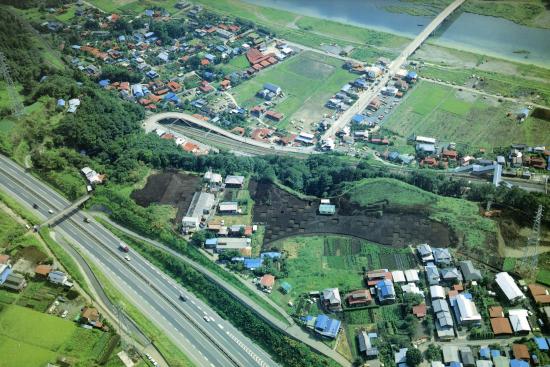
[(134, 7), (465, 118), (31, 338), (460, 215), (318, 262), (308, 80)]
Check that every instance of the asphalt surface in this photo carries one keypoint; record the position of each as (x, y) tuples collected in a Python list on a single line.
[(212, 343)]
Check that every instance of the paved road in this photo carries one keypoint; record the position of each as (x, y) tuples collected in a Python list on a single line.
[(214, 343), (367, 96), (291, 329)]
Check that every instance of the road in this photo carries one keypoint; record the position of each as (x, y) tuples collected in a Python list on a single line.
[(367, 96), (291, 329), (214, 343)]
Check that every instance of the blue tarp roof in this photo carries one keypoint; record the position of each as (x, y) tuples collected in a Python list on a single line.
[(386, 288), (358, 118), (149, 12), (518, 363), (61, 102), (485, 352), (542, 344), (455, 364), (286, 286), (412, 75), (122, 38), (495, 353), (252, 263), (211, 241), (271, 254), (327, 326), (104, 82)]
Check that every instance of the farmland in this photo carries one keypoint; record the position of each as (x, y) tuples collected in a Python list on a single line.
[(470, 120), (32, 338), (308, 80), (317, 262)]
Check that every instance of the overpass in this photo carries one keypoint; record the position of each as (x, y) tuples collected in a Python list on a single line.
[(153, 122), (57, 217), (395, 65)]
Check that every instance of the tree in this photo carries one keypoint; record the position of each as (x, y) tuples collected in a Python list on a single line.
[(414, 357), (433, 353), (198, 238)]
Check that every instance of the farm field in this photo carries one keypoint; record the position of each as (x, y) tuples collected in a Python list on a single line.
[(133, 6), (318, 262), (308, 80), (466, 119), (32, 339)]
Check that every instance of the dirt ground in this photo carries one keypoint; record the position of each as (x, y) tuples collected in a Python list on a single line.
[(286, 215), (171, 188)]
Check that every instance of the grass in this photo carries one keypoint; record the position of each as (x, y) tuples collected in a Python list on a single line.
[(23, 354), (521, 12), (460, 215), (465, 118), (134, 7), (238, 63), (308, 80)]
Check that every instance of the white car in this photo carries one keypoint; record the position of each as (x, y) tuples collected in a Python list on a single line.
[(127, 258), (206, 318), (50, 211), (64, 314)]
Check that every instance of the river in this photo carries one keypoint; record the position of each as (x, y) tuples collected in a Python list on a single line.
[(500, 37)]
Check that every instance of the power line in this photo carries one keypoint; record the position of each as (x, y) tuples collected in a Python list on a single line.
[(16, 105), (529, 262)]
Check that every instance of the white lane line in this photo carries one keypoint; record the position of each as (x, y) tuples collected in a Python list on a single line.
[(220, 326)]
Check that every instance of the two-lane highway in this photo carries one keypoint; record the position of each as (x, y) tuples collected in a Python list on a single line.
[(210, 343)]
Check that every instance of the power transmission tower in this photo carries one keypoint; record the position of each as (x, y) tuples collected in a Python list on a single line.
[(530, 260), (16, 105)]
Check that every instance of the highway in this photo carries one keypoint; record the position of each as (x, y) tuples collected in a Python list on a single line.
[(214, 343), (369, 94)]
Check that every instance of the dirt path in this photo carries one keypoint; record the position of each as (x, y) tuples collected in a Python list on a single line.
[(520, 252), (292, 25)]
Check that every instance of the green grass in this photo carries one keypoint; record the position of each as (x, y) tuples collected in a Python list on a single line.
[(460, 215), (68, 15), (307, 80), (465, 118), (238, 63), (521, 12), (133, 7), (543, 276), (23, 354)]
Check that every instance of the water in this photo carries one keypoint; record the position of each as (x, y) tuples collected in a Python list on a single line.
[(488, 35)]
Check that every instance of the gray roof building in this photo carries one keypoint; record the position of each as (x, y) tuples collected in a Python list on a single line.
[(469, 271), (441, 255), (450, 275), (467, 357)]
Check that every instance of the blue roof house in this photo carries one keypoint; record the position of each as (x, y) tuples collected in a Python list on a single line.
[(121, 38), (104, 83), (273, 88), (152, 74), (357, 119), (326, 326), (495, 353), (271, 255), (432, 274), (385, 291), (518, 363), (171, 97), (542, 344), (149, 12), (210, 57), (412, 75), (137, 90), (60, 102), (484, 353), (286, 287), (5, 271), (252, 264)]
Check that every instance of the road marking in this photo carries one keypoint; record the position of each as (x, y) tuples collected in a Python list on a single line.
[(220, 326)]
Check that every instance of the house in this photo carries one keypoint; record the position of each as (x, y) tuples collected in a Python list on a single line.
[(210, 243), (521, 351), (365, 344), (326, 326), (273, 115), (400, 356), (4, 259), (304, 137), (442, 256), (266, 282), (519, 363), (542, 343), (398, 276), (228, 207), (89, 315), (42, 270), (496, 311), (420, 310), (484, 353), (5, 271), (285, 287), (331, 299), (437, 292), (467, 357), (327, 209), (501, 326), (469, 272), (359, 298), (92, 176), (432, 274), (540, 294), (234, 181), (385, 291), (519, 321), (412, 276), (465, 310), (375, 104), (508, 287), (252, 264), (444, 320), (375, 276), (450, 275), (213, 178), (412, 288), (201, 204), (425, 252), (242, 245), (273, 88), (73, 105), (450, 354), (501, 361), (59, 277), (15, 282)]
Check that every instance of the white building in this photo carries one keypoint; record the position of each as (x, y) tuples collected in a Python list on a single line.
[(59, 277), (437, 292), (412, 276), (331, 299), (509, 287), (92, 176), (465, 310), (519, 321), (398, 276), (412, 288)]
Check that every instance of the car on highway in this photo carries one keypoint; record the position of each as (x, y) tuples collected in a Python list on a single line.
[(50, 211), (34, 205), (86, 220), (127, 258), (182, 297), (206, 318)]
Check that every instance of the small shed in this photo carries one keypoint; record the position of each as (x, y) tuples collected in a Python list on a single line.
[(327, 209)]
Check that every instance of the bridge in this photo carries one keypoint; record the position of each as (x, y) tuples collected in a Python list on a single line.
[(395, 65), (59, 216)]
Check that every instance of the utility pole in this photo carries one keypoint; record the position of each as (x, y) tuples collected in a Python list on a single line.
[(529, 262), (16, 105)]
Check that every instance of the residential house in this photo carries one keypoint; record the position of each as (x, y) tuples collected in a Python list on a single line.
[(398, 276), (15, 282), (90, 315), (425, 252), (432, 274), (331, 299), (385, 291), (5, 271), (450, 275), (412, 276), (365, 341), (521, 351), (437, 292), (540, 294), (285, 287), (228, 207), (508, 287), (450, 354), (273, 115), (326, 326), (273, 88), (42, 271), (400, 356), (420, 310), (412, 288), (242, 245), (442, 256), (465, 310), (234, 181), (327, 209), (467, 357), (4, 259), (496, 311), (501, 327), (469, 272), (374, 276), (266, 282), (519, 321), (444, 323), (359, 298), (59, 277), (252, 263)]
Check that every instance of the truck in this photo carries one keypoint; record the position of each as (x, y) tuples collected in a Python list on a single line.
[(123, 247)]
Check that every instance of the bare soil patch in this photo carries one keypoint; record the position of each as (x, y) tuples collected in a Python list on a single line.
[(286, 215), (171, 188)]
